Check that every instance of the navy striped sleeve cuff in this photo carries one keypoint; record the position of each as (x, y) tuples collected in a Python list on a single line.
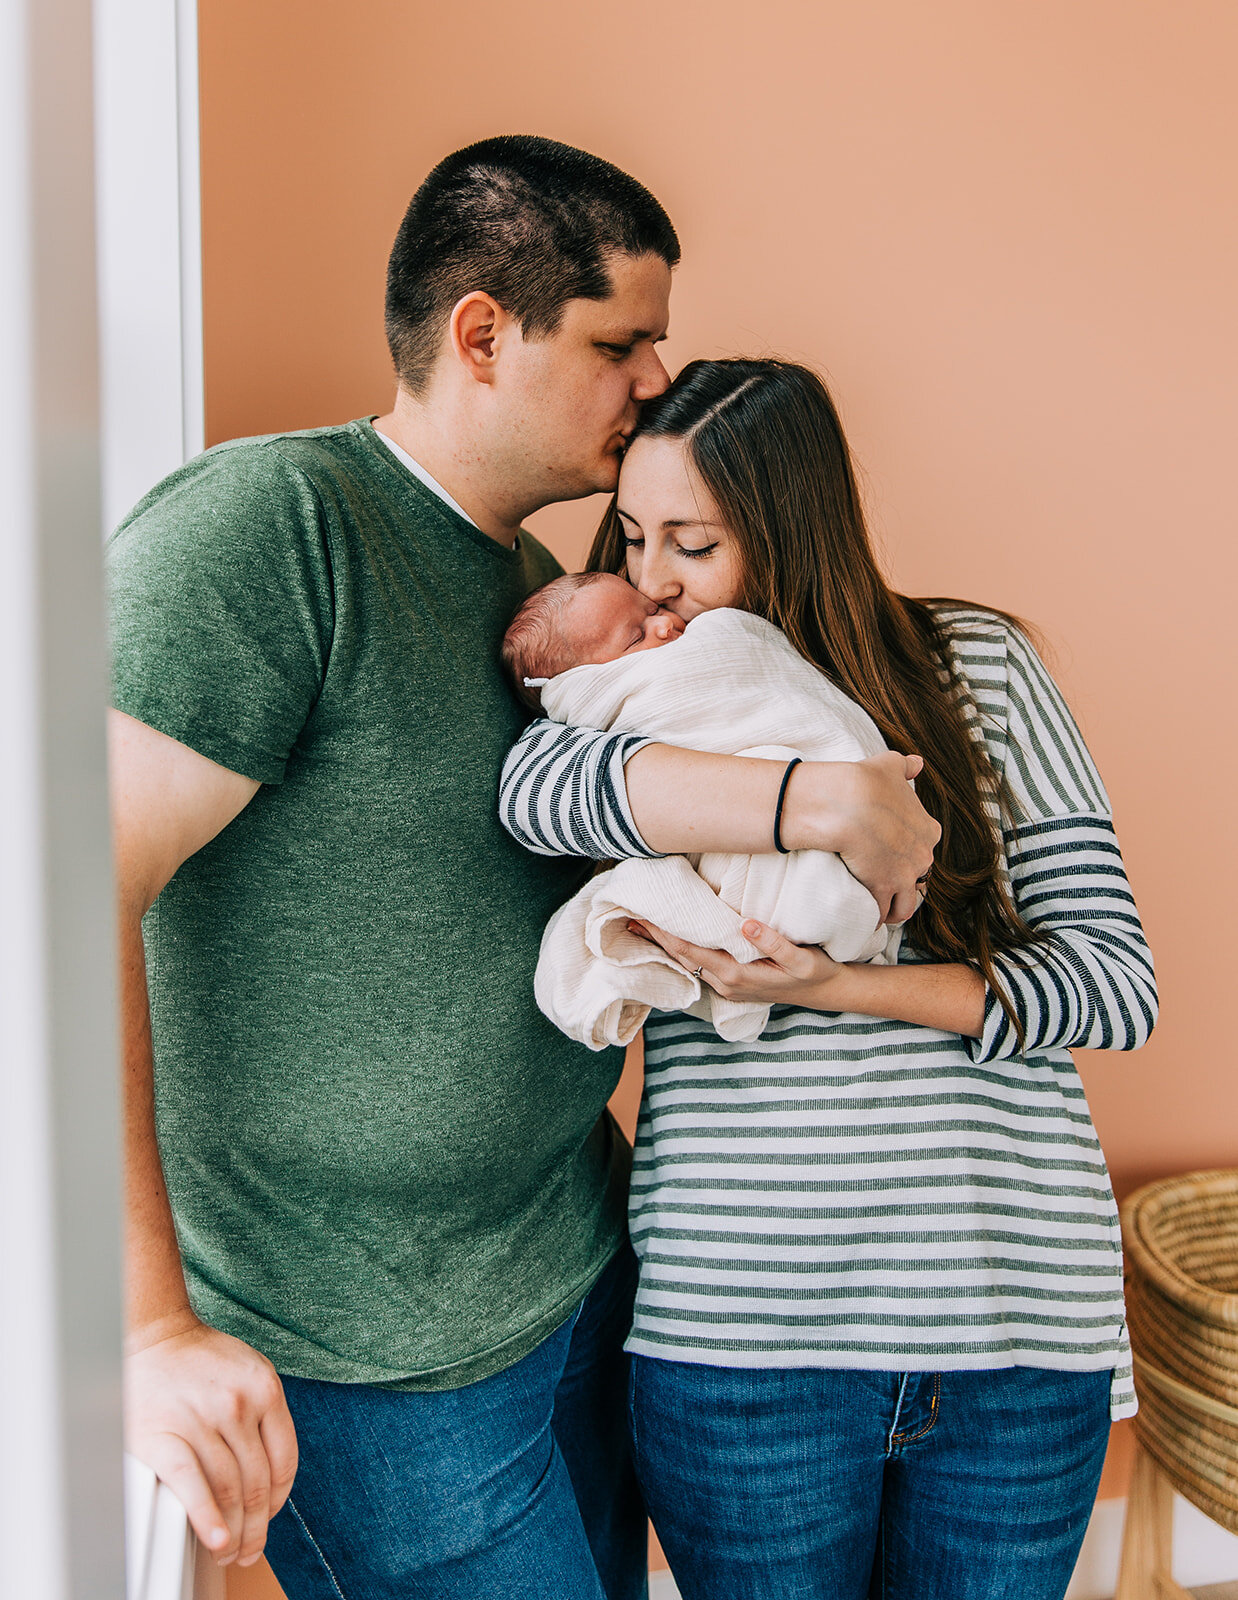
[(562, 792), (1092, 984)]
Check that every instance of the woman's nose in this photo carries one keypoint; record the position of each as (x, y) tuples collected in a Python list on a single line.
[(656, 580)]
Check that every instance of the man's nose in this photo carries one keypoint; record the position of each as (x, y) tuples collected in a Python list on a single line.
[(651, 380)]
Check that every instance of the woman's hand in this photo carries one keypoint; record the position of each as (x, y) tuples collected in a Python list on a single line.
[(941, 995), (867, 812), (787, 974)]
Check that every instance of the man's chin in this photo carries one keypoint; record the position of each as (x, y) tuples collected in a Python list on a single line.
[(603, 480), (608, 471)]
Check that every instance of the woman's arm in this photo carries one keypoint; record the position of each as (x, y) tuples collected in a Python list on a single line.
[(930, 995), (565, 791), (1090, 984)]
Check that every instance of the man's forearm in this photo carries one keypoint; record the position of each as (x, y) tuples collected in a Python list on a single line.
[(156, 1299)]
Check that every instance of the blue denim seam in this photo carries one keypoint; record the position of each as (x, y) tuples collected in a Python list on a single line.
[(901, 1439), (903, 1379), (632, 1371), (317, 1550)]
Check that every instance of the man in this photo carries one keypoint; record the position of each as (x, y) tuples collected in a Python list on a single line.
[(393, 1187)]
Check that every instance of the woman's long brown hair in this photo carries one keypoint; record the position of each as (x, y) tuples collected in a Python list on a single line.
[(766, 439)]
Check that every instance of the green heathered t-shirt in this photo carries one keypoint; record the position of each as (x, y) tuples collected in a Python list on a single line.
[(385, 1165)]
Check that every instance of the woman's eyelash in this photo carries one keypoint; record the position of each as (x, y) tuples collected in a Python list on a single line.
[(684, 550)]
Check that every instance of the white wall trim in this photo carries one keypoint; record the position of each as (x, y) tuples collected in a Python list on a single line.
[(189, 212), (60, 1477), (150, 243)]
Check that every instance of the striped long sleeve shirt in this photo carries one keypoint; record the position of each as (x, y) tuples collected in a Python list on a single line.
[(851, 1191)]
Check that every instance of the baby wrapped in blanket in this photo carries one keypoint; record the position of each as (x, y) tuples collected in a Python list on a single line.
[(599, 655)]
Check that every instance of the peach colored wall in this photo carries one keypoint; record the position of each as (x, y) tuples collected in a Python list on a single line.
[(1007, 233)]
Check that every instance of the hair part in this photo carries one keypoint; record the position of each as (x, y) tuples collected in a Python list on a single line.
[(533, 646), (529, 221), (767, 441)]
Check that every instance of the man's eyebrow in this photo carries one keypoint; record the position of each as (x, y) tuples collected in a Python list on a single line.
[(635, 335)]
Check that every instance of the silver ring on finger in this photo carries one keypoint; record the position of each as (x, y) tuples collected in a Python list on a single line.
[(696, 972)]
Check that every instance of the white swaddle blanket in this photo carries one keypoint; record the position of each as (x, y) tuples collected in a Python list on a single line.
[(732, 684)]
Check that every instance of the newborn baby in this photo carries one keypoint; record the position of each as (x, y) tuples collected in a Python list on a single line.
[(581, 618), (588, 649)]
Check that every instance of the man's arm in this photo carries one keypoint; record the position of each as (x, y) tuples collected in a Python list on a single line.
[(205, 1411)]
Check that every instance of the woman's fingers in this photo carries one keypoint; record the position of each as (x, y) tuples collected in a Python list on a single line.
[(688, 955)]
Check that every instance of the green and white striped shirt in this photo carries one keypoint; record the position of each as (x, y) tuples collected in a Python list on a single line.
[(855, 1192)]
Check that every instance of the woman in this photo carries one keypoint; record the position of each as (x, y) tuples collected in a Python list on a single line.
[(879, 1332)]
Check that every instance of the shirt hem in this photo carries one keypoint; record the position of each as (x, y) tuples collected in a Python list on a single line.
[(330, 1368), (1122, 1403)]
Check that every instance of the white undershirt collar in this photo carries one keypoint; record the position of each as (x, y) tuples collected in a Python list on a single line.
[(418, 471)]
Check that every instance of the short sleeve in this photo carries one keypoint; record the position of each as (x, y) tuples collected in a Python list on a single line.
[(220, 608)]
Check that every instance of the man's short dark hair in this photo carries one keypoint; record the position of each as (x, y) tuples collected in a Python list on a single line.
[(524, 219)]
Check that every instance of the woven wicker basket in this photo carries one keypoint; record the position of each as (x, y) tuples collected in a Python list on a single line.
[(1181, 1242)]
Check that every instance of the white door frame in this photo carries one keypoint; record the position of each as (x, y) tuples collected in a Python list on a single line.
[(150, 243), (60, 1328)]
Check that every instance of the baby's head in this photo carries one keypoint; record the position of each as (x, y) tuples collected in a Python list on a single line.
[(585, 617)]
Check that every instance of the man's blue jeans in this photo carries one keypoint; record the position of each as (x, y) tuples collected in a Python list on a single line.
[(841, 1485), (520, 1485)]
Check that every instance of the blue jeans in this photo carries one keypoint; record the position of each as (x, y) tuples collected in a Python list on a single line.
[(521, 1484), (840, 1485)]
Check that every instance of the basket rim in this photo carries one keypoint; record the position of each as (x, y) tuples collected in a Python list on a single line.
[(1144, 1206)]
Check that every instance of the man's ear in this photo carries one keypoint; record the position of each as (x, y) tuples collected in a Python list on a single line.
[(477, 330)]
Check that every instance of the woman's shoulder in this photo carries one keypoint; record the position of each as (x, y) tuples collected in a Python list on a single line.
[(980, 644), (963, 621)]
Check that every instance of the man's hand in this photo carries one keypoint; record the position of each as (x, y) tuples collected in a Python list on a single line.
[(208, 1414), (867, 812)]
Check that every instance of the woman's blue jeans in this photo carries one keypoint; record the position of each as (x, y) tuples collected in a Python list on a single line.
[(521, 1484), (841, 1485)]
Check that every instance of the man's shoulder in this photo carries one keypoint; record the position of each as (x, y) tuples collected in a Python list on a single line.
[(308, 456), (263, 468), (540, 565)]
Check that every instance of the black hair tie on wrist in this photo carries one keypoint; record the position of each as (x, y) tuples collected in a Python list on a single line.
[(782, 795)]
